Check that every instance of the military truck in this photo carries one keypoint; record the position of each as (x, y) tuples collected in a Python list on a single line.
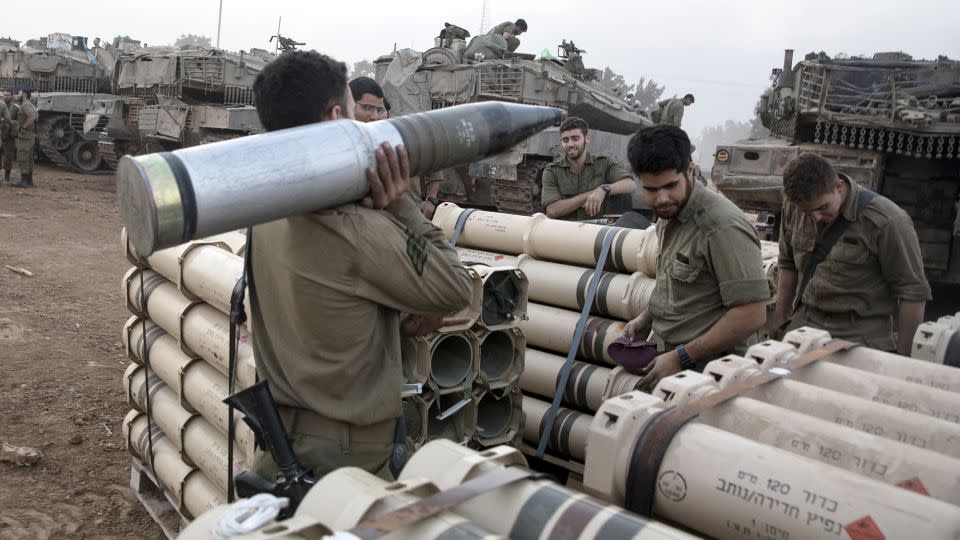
[(172, 98), (891, 122), (443, 77)]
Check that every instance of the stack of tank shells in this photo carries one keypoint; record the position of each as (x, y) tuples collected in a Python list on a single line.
[(178, 341), (559, 258), (860, 441), (462, 379)]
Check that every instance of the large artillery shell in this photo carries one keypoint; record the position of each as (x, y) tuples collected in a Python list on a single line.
[(587, 386), (552, 329), (718, 484)]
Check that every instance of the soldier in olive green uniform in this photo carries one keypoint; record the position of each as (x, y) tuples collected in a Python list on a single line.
[(711, 291), (671, 110), (26, 138), (510, 31), (329, 291), (872, 273), (8, 134), (579, 186)]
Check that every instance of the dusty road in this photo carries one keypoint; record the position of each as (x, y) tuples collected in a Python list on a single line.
[(61, 362)]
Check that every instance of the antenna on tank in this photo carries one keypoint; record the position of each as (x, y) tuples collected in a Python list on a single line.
[(483, 16), (276, 48), (219, 19)]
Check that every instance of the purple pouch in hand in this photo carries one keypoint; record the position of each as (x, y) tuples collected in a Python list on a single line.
[(633, 354)]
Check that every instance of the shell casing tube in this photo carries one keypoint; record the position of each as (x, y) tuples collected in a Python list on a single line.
[(570, 428), (173, 197)]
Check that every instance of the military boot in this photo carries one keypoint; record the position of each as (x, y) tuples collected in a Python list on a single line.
[(6, 175), (26, 181)]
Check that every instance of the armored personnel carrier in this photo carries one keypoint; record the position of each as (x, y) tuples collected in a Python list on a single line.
[(172, 98), (66, 77), (442, 76), (890, 122)]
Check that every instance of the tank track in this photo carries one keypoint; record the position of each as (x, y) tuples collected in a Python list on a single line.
[(51, 153), (109, 151), (521, 196)]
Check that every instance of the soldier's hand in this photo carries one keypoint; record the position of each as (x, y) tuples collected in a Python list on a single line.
[(428, 209), (638, 327), (390, 179), (594, 202), (662, 366)]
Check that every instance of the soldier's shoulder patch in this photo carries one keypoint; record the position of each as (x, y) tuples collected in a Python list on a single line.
[(416, 250)]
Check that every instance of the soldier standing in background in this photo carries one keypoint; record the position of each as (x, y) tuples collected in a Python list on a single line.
[(671, 110), (8, 133), (26, 138)]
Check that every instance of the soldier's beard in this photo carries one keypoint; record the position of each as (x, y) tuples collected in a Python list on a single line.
[(575, 153)]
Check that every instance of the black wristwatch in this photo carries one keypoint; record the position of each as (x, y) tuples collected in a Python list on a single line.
[(606, 188), (433, 200), (685, 361)]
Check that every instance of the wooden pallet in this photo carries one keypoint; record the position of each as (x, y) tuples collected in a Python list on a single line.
[(161, 506)]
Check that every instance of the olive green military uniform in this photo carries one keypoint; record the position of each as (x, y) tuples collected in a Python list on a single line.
[(8, 136), (671, 111), (853, 293), (26, 119), (709, 262), (560, 181), (327, 292), (513, 43)]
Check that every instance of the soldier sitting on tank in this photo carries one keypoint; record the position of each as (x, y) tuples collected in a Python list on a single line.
[(329, 289), (510, 31), (871, 268), (670, 111), (711, 292), (581, 186), (369, 98)]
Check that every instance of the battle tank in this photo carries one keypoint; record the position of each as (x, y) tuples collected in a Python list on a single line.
[(442, 76), (890, 122), (172, 98), (66, 77)]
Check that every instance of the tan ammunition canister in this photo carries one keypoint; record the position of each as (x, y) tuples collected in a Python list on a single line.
[(199, 443), (632, 250), (499, 417), (552, 329), (527, 509), (452, 416), (235, 242), (570, 428), (587, 386), (484, 230), (938, 342), (500, 357), (620, 296), (201, 330), (878, 419), (882, 459), (878, 362), (193, 492), (445, 362), (721, 484), (504, 301), (905, 395), (415, 410), (163, 349)]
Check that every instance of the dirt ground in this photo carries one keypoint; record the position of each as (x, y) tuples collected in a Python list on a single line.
[(61, 362)]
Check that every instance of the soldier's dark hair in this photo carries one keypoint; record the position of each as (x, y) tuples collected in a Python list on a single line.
[(656, 149), (299, 88), (365, 85), (386, 104), (521, 24), (807, 177), (689, 96), (573, 122), (27, 93)]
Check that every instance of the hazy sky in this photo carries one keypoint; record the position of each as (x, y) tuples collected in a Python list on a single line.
[(721, 51)]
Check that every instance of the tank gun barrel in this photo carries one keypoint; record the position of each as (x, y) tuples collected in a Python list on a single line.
[(172, 197)]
